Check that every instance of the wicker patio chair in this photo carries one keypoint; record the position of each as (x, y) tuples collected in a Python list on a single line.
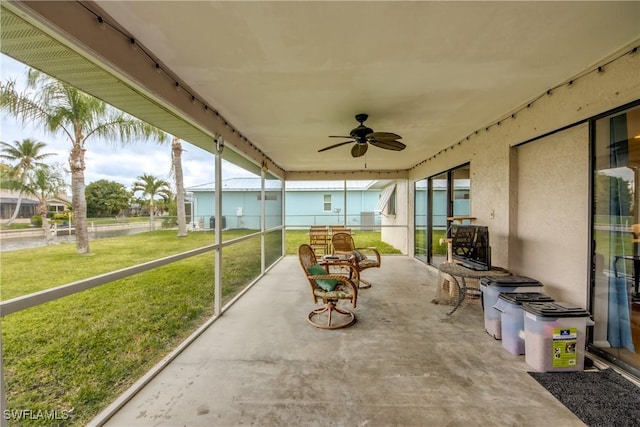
[(363, 258), (319, 240), (335, 229), (330, 289)]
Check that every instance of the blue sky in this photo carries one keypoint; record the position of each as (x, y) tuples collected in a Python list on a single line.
[(114, 162)]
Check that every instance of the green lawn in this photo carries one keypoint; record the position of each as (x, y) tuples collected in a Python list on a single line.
[(361, 238), (82, 351), (90, 221), (437, 248), (16, 226)]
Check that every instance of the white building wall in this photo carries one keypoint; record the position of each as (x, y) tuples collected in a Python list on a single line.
[(397, 234), (535, 198)]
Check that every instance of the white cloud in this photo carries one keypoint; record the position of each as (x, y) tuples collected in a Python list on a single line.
[(115, 162)]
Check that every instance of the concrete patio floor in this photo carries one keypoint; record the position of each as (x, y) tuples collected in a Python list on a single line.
[(404, 363)]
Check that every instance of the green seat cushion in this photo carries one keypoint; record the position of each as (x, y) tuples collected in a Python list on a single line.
[(326, 284)]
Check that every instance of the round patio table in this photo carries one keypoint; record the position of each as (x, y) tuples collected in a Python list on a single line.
[(457, 271)]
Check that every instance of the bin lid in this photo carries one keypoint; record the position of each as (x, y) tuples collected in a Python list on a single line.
[(509, 281), (553, 309), (520, 297)]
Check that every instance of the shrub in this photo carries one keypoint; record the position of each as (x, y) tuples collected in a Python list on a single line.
[(36, 220), (60, 217), (169, 222)]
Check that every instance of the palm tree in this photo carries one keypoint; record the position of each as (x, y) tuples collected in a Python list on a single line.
[(176, 169), (23, 156), (152, 187), (44, 183), (63, 109)]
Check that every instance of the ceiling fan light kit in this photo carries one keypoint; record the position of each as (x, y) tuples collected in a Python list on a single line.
[(363, 136)]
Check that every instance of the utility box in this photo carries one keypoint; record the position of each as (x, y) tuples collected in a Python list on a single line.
[(212, 222)]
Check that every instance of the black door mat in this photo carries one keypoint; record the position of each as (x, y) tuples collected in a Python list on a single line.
[(598, 398)]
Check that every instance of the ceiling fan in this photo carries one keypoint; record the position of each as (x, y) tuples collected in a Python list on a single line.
[(363, 136)]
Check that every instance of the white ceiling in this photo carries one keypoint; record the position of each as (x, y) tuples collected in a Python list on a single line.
[(288, 74)]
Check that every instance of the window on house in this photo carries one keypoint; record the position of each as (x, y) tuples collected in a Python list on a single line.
[(461, 194), (391, 206), (387, 201), (267, 196), (327, 203)]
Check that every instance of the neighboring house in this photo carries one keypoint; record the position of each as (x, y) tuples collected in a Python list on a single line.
[(307, 203), (240, 207), (349, 203), (8, 201), (58, 204), (29, 206)]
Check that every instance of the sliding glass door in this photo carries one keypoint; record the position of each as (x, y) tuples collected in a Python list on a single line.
[(439, 194), (616, 236), (437, 200), (421, 220)]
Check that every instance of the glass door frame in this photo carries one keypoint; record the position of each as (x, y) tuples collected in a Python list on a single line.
[(594, 263), (449, 201)]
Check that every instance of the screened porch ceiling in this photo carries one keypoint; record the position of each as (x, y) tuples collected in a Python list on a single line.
[(275, 79)]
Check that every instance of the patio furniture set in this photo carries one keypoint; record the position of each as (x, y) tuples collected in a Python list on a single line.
[(336, 276)]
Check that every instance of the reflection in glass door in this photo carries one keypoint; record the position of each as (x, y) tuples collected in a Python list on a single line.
[(439, 197), (461, 199), (420, 215), (616, 237)]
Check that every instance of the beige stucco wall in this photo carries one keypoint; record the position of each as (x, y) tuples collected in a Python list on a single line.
[(534, 198), (551, 232)]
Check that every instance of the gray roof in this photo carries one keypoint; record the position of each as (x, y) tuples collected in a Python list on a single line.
[(9, 196), (14, 200), (253, 184)]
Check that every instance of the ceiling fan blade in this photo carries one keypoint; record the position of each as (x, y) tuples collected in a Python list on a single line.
[(380, 136), (388, 145), (359, 150), (338, 136), (334, 146)]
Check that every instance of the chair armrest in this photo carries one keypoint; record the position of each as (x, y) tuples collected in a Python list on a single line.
[(351, 264), (373, 250)]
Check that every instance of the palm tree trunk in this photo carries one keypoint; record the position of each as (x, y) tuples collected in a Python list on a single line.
[(17, 209), (176, 149), (79, 202), (44, 211), (151, 209), (48, 231)]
